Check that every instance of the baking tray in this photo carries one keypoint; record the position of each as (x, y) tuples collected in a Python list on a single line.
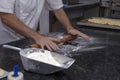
[(86, 23)]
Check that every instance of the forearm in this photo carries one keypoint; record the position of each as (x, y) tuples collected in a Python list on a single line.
[(62, 17), (14, 23)]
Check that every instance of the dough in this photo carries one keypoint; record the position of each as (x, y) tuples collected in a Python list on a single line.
[(45, 57), (1, 72), (111, 22)]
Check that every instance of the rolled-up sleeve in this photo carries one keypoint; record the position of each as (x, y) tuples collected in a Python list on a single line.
[(7, 6), (54, 4)]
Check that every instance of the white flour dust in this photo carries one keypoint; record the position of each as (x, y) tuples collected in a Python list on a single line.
[(45, 57)]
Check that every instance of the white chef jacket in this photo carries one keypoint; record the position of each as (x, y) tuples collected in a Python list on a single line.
[(28, 11)]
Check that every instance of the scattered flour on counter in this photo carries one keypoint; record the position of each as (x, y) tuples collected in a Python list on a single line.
[(45, 57)]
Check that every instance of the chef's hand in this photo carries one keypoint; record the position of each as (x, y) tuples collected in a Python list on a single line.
[(77, 32), (47, 42)]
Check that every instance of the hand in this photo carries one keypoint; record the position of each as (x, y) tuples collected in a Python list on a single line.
[(77, 32), (47, 42)]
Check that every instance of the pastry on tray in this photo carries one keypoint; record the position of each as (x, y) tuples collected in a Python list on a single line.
[(105, 21)]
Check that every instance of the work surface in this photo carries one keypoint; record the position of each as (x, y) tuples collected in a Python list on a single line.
[(99, 64)]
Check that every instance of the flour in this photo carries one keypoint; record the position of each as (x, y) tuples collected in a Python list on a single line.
[(45, 57)]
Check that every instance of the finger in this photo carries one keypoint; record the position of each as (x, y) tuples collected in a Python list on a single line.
[(53, 45), (54, 39), (73, 33), (84, 36), (50, 44), (42, 46), (76, 32), (48, 47)]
